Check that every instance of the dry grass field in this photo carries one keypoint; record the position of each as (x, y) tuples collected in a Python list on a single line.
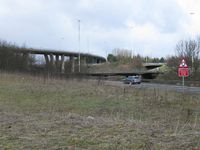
[(82, 114)]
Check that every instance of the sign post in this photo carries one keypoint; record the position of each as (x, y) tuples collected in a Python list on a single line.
[(183, 72)]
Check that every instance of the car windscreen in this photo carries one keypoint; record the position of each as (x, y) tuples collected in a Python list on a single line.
[(130, 78)]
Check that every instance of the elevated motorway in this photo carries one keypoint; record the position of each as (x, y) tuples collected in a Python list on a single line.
[(98, 59), (56, 60)]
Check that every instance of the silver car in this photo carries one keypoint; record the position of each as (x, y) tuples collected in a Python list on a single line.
[(132, 80)]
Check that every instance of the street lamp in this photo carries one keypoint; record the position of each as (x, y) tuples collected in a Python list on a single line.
[(79, 41), (131, 27), (192, 62), (192, 13), (105, 48)]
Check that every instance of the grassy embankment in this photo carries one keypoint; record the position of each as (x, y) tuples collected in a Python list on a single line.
[(79, 114)]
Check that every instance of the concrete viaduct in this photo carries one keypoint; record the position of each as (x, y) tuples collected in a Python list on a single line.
[(56, 60)]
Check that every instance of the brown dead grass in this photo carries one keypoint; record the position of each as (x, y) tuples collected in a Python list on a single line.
[(82, 114)]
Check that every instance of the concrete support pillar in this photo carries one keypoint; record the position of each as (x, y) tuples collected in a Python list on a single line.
[(72, 62), (90, 60), (84, 61), (62, 64), (98, 61), (52, 62), (47, 60), (57, 63), (93, 61)]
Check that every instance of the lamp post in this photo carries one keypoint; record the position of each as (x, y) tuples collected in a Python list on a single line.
[(79, 43), (131, 27), (192, 13), (105, 48), (192, 62)]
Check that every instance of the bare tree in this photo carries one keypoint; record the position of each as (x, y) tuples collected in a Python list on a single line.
[(172, 62), (122, 55), (189, 50)]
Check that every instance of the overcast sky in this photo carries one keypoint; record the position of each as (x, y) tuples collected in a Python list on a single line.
[(148, 27)]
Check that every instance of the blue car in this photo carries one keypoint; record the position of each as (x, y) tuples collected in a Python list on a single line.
[(132, 80)]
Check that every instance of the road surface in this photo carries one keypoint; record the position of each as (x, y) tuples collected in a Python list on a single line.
[(186, 89)]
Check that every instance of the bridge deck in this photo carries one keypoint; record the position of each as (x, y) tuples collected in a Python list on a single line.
[(65, 53)]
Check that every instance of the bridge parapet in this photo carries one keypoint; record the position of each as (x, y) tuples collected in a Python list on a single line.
[(149, 66)]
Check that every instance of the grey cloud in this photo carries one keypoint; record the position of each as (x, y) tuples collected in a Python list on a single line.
[(53, 23)]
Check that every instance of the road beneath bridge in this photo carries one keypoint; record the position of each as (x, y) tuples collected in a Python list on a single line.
[(144, 74)]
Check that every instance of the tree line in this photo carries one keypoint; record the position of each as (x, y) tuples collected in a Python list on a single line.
[(10, 60), (185, 49), (126, 56)]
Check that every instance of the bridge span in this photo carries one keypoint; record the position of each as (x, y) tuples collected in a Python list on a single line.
[(56, 60), (144, 74), (149, 71)]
